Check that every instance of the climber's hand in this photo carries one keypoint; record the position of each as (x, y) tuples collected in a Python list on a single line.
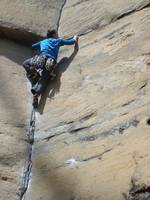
[(76, 46), (76, 38)]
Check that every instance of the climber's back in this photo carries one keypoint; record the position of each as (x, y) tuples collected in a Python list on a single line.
[(50, 46)]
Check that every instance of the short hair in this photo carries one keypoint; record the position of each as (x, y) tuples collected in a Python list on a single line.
[(50, 33)]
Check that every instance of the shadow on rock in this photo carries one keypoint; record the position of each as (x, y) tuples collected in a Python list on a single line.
[(11, 58), (15, 52), (55, 182), (54, 86)]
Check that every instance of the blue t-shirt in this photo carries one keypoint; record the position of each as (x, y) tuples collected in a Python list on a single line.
[(50, 47)]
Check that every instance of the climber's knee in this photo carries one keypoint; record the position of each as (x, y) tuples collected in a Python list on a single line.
[(27, 65)]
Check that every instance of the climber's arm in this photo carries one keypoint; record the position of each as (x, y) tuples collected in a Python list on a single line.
[(68, 41), (36, 45)]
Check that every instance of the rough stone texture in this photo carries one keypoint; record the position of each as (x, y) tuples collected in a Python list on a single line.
[(27, 20), (81, 16), (92, 141), (13, 118)]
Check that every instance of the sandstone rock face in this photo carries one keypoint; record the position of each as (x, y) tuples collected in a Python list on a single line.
[(13, 118), (81, 16), (92, 130), (25, 20), (92, 142)]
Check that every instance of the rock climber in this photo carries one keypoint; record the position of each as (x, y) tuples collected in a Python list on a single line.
[(41, 67)]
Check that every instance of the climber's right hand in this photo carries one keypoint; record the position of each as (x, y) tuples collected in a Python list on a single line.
[(76, 38)]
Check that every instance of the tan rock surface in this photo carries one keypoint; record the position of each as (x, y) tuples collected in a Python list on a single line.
[(92, 139), (81, 16), (23, 20), (13, 118), (92, 142)]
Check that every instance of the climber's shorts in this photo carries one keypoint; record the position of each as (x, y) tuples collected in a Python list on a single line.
[(39, 62), (36, 62)]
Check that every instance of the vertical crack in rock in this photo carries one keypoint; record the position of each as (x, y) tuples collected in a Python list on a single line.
[(28, 163), (60, 13), (31, 133)]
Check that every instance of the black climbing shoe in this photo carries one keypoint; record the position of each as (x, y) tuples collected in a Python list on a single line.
[(35, 102)]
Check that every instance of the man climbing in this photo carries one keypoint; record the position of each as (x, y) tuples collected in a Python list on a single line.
[(41, 67)]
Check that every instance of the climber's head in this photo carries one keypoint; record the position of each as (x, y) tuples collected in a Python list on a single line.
[(52, 34)]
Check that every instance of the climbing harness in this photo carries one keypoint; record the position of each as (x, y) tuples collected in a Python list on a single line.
[(50, 63)]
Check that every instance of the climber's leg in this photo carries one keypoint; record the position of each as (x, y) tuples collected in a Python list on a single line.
[(41, 85), (35, 101), (31, 73), (27, 64)]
